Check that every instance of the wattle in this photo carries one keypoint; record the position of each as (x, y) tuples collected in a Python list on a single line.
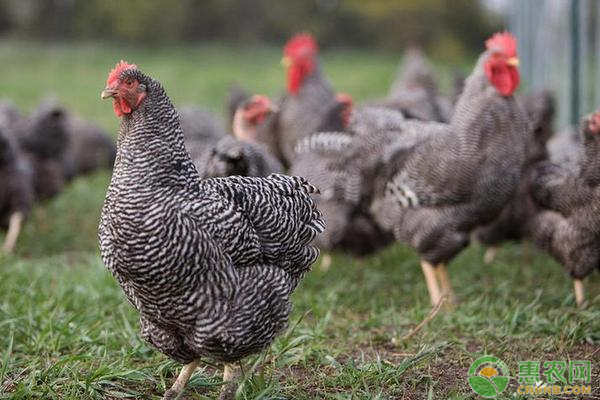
[(505, 79)]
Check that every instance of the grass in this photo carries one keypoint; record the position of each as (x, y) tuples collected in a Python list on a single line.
[(67, 332)]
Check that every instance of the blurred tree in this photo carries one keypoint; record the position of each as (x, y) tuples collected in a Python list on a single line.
[(447, 26)]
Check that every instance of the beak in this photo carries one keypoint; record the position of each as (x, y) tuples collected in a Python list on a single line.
[(273, 108), (286, 62), (513, 62), (108, 92)]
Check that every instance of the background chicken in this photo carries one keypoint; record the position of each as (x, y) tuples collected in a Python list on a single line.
[(89, 147), (568, 226), (310, 98), (209, 264), (240, 154), (44, 139), (433, 193), (414, 91), (16, 190)]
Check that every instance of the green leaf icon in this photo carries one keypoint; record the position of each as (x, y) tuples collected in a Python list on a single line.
[(483, 386), (501, 382)]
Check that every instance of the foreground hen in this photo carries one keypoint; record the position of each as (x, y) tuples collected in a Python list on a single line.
[(209, 264)]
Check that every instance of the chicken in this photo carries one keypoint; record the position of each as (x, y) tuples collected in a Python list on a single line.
[(437, 186), (322, 158), (236, 96), (513, 221), (414, 92), (566, 149), (568, 226), (307, 107), (16, 188), (242, 154), (349, 226), (89, 147), (200, 125), (44, 139), (210, 264)]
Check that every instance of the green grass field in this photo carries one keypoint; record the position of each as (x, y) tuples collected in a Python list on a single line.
[(67, 332)]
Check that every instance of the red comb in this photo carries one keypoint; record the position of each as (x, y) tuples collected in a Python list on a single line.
[(117, 70), (503, 41), (300, 43)]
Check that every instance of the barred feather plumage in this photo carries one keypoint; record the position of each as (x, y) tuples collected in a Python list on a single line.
[(209, 264)]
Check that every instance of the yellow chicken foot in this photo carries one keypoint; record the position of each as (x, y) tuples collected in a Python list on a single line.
[(325, 262), (14, 228), (182, 380), (230, 376), (432, 285), (447, 291), (578, 286), (490, 255)]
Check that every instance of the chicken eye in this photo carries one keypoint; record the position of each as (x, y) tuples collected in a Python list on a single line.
[(129, 82)]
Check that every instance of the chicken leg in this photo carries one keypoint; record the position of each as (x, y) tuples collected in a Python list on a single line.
[(325, 262), (447, 291), (579, 296), (230, 376), (432, 284), (182, 380), (14, 228), (490, 254)]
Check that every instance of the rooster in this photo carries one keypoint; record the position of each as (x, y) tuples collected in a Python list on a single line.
[(568, 226), (449, 178), (307, 107), (210, 264)]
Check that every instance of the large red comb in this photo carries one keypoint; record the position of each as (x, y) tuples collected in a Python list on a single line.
[(117, 70), (504, 42), (300, 43)]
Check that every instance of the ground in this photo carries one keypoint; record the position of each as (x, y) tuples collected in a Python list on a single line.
[(67, 332)]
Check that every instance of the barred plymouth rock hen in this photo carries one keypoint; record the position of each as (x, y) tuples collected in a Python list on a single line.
[(568, 226), (16, 190), (432, 193), (209, 264)]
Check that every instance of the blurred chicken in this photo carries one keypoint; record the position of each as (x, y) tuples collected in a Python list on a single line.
[(307, 107), (414, 92), (89, 147), (445, 179), (200, 125), (45, 140), (566, 149), (568, 226), (241, 154), (16, 188)]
